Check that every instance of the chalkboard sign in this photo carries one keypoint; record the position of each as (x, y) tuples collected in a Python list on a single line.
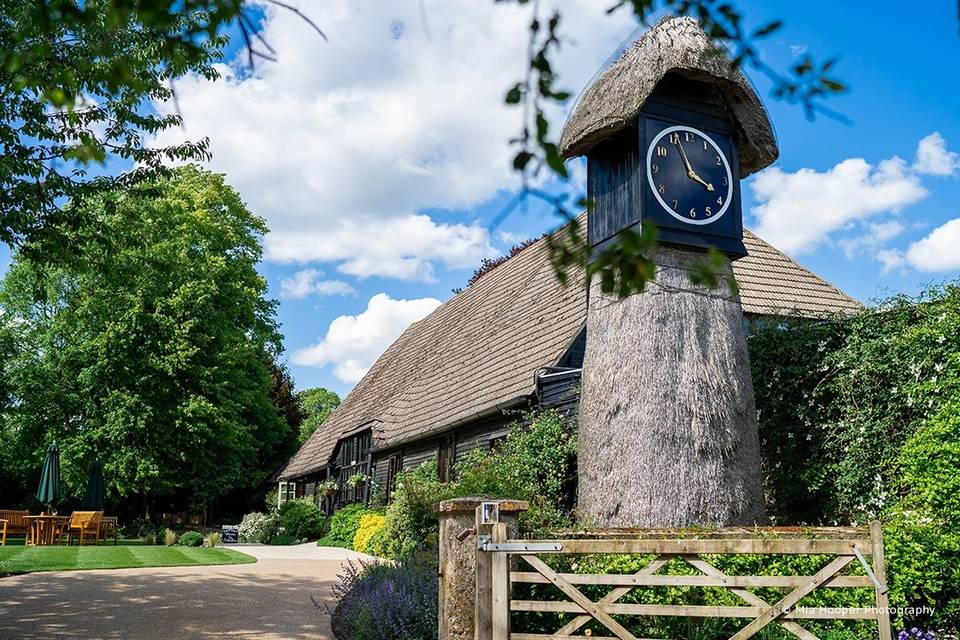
[(230, 534)]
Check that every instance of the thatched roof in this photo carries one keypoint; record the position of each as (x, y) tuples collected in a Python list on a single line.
[(680, 46), (477, 352)]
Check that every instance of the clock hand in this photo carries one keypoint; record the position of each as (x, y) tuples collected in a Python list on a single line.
[(693, 176), (690, 172), (683, 154)]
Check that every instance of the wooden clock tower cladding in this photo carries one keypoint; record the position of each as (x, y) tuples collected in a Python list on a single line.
[(677, 166)]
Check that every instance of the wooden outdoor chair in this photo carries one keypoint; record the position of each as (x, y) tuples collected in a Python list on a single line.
[(3, 526), (109, 526), (16, 523), (84, 524)]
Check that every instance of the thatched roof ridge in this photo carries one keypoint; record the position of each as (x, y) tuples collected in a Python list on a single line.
[(477, 352), (676, 45)]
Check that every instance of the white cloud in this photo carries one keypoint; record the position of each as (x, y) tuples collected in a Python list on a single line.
[(933, 157), (938, 251), (891, 259), (874, 236), (353, 343), (310, 281), (403, 248), (342, 143), (798, 211)]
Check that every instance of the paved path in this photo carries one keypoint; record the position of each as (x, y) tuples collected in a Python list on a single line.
[(268, 600)]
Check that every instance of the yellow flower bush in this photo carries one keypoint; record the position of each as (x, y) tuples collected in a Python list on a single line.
[(369, 525)]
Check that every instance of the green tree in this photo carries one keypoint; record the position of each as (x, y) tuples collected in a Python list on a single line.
[(288, 404), (74, 80), (318, 403), (151, 351)]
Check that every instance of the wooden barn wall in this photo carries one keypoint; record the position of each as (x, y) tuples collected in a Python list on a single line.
[(560, 392), (573, 358)]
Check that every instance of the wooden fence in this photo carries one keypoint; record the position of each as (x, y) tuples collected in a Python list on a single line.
[(843, 547)]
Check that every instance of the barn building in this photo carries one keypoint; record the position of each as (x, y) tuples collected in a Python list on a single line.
[(513, 340)]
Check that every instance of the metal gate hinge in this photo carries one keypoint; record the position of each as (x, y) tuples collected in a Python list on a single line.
[(484, 544)]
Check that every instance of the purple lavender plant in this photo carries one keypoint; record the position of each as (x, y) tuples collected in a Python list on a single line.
[(917, 634), (380, 601)]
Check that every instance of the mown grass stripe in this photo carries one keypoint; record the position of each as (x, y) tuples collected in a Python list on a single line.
[(28, 559)]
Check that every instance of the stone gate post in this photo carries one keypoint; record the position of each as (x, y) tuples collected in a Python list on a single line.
[(458, 562)]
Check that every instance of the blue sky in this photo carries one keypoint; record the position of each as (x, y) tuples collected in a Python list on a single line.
[(380, 159)]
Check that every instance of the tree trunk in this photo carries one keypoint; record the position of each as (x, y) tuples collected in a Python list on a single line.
[(668, 426)]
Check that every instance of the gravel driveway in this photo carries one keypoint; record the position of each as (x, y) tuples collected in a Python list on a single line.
[(268, 600)]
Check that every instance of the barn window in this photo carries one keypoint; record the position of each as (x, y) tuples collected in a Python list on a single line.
[(394, 467), (446, 454)]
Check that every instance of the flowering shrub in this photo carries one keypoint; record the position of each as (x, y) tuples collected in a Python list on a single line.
[(258, 527), (344, 524), (370, 524), (916, 634), (859, 419), (386, 601)]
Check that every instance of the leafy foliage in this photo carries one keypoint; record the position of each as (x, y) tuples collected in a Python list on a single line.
[(923, 537), (534, 463), (386, 601), (259, 527), (838, 400), (151, 351), (858, 420), (302, 519), (74, 77), (345, 522), (318, 403), (191, 539), (288, 404)]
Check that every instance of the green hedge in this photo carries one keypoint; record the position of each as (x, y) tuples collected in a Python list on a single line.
[(302, 520), (859, 420)]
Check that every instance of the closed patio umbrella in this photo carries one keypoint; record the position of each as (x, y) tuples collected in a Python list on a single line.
[(49, 490), (95, 497)]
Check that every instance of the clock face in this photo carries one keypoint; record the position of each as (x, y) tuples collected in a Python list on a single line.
[(689, 175)]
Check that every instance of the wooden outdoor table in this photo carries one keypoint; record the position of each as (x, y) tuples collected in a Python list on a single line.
[(44, 527)]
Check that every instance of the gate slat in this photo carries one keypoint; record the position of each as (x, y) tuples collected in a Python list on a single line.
[(574, 594), (749, 597), (614, 595), (792, 598)]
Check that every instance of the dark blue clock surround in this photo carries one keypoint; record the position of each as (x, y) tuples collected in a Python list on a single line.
[(617, 173)]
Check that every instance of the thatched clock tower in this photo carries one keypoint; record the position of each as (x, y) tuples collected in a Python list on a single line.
[(668, 426)]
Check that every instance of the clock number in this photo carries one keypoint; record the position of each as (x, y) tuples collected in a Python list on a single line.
[(724, 180), (718, 161), (705, 147), (720, 200), (709, 212), (662, 152), (693, 212), (675, 138), (662, 189), (655, 167), (675, 203), (689, 136)]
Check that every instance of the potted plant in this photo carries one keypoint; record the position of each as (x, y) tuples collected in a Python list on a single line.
[(357, 480), (328, 487)]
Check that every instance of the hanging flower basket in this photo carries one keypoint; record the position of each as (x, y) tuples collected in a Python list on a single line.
[(357, 480), (327, 487)]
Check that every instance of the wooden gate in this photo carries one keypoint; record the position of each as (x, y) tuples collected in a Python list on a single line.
[(843, 547)]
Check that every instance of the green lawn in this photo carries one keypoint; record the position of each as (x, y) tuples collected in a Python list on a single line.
[(20, 559)]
